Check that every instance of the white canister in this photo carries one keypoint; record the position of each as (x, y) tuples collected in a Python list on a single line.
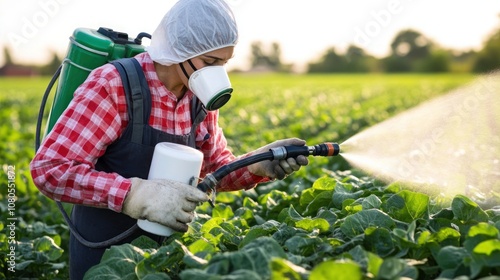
[(174, 162)]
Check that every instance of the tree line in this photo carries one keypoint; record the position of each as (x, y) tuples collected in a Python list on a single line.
[(11, 68), (411, 51)]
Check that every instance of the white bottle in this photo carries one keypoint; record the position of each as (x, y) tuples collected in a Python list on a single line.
[(175, 162)]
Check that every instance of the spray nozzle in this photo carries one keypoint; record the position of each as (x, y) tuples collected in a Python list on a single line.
[(284, 152), (324, 149)]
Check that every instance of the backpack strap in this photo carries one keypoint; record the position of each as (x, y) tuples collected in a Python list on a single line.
[(136, 90), (138, 94)]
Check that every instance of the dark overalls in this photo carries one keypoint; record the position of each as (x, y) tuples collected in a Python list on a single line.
[(130, 156)]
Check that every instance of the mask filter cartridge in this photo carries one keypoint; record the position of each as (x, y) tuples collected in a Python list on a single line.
[(212, 86)]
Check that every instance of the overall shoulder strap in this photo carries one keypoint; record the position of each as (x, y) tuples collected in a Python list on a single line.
[(137, 94)]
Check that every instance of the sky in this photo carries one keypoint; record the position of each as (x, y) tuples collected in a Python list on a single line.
[(305, 29)]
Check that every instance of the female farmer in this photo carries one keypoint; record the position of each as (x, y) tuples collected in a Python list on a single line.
[(91, 160)]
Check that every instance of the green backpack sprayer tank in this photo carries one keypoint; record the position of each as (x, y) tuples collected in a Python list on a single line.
[(87, 50)]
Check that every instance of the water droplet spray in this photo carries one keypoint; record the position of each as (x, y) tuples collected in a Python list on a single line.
[(447, 146)]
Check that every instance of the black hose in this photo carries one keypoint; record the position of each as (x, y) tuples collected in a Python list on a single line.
[(95, 245), (45, 97), (211, 179), (228, 168), (278, 153), (138, 39)]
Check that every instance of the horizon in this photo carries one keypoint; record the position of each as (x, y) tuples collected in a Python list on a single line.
[(304, 31)]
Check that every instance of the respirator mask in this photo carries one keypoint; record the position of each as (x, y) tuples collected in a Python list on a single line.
[(210, 84)]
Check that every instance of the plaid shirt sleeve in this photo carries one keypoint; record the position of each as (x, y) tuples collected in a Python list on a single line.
[(63, 167)]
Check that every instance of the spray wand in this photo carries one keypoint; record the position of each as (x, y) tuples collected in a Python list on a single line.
[(284, 152)]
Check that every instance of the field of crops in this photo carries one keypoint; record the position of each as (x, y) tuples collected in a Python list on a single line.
[(326, 221)]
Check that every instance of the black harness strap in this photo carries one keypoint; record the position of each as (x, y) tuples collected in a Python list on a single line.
[(133, 83)]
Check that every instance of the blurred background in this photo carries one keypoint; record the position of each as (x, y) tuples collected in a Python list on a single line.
[(278, 35)]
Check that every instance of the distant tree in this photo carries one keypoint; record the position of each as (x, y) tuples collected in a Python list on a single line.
[(413, 52), (437, 61), (407, 49), (7, 57), (258, 56), (394, 63), (488, 59), (51, 67), (329, 62), (462, 61), (270, 60), (354, 60), (275, 56), (412, 44)]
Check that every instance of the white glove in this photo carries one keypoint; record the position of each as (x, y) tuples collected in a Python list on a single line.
[(165, 202), (278, 169)]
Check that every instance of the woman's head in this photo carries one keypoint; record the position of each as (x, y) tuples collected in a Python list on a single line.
[(206, 77), (192, 28)]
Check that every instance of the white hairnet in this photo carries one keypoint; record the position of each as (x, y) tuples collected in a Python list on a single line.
[(192, 28)]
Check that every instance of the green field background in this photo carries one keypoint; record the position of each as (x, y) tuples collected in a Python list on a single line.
[(264, 108)]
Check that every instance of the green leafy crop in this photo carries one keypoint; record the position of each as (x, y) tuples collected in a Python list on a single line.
[(378, 233), (326, 221)]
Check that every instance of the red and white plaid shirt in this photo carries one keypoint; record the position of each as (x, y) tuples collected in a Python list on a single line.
[(63, 167)]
